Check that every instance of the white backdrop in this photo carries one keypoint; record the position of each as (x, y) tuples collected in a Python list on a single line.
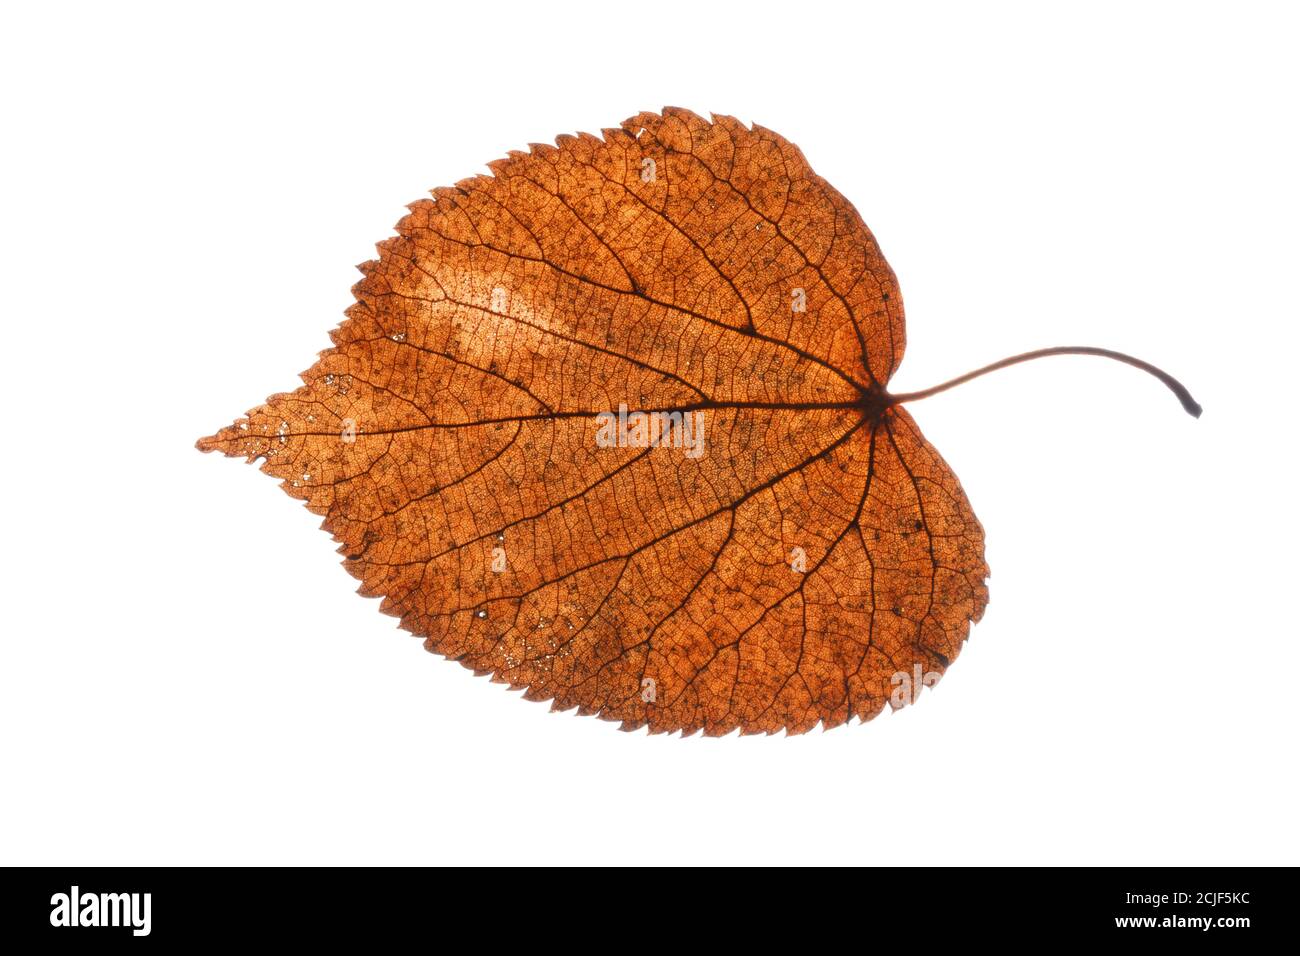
[(187, 675)]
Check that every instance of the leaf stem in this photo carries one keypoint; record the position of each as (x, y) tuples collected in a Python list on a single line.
[(1175, 386)]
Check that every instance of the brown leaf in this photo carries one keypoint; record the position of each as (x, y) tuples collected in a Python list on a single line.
[(810, 559)]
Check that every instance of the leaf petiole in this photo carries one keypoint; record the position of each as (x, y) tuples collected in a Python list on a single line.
[(1190, 404)]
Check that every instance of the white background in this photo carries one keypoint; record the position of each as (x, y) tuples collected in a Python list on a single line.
[(186, 673)]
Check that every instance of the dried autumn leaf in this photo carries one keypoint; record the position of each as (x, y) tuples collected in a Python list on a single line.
[(480, 438)]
